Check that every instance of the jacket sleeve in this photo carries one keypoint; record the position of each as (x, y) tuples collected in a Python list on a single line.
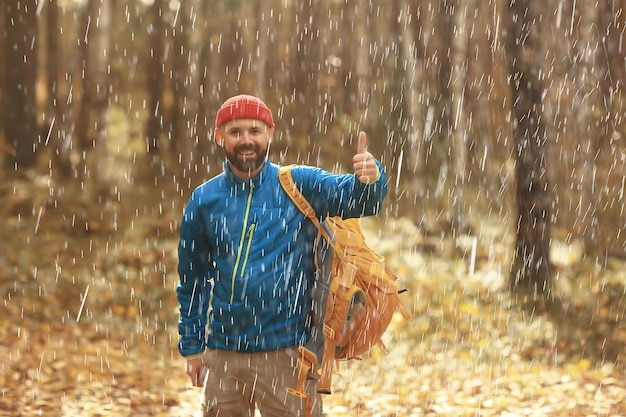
[(194, 287), (340, 195)]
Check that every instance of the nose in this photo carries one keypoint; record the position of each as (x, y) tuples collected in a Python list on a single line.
[(245, 137)]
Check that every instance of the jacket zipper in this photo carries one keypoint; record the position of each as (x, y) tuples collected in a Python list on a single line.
[(245, 259), (244, 232)]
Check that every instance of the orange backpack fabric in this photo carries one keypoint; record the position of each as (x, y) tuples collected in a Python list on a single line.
[(363, 292)]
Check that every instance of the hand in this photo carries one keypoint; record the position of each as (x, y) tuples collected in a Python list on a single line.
[(196, 371), (363, 162)]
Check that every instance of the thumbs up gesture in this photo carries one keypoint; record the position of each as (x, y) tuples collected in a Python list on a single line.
[(364, 164)]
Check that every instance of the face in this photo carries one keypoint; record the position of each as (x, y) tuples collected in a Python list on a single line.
[(246, 143)]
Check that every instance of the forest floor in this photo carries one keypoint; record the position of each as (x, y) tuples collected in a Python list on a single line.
[(88, 323)]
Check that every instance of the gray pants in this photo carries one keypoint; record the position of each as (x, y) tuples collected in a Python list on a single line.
[(238, 382)]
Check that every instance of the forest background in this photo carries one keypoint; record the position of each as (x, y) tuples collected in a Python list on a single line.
[(500, 124)]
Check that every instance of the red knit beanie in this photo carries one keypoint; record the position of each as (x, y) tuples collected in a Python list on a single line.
[(243, 106)]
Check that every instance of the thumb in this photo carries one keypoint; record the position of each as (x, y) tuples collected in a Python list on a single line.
[(362, 144)]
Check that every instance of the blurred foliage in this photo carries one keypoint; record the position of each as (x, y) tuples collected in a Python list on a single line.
[(90, 317), (326, 77)]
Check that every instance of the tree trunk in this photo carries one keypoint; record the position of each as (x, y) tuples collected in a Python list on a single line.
[(362, 68), (53, 50), (20, 104), (405, 21), (610, 59), (587, 113), (156, 80), (57, 109), (304, 80), (531, 270), (96, 92), (613, 22), (188, 31), (83, 102), (3, 71), (261, 53), (213, 63), (460, 123)]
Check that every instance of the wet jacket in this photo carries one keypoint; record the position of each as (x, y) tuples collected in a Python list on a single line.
[(246, 250)]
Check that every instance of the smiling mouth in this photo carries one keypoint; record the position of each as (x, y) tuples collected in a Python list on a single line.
[(247, 154)]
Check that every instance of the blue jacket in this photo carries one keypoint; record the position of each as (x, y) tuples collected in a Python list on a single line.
[(246, 251)]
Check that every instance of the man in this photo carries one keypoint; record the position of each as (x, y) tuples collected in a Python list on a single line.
[(246, 260)]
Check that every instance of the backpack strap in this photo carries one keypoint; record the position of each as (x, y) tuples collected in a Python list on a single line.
[(286, 180), (328, 354), (307, 362)]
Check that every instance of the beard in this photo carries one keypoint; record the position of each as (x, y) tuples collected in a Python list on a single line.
[(246, 158)]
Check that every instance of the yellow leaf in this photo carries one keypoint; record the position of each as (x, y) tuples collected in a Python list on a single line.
[(469, 308), (423, 325), (583, 365)]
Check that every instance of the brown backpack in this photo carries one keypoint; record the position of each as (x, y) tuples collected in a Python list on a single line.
[(357, 294)]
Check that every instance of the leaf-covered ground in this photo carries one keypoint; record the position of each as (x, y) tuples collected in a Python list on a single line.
[(88, 326)]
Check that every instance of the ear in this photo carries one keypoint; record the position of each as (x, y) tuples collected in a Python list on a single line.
[(218, 138), (270, 134)]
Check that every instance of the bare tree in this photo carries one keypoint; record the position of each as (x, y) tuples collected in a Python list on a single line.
[(461, 29), (612, 52), (20, 105), (304, 81), (52, 62), (156, 76), (406, 23), (587, 108), (261, 52), (531, 269), (188, 30), (213, 68), (83, 101), (56, 108), (361, 68), (91, 124), (3, 69)]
